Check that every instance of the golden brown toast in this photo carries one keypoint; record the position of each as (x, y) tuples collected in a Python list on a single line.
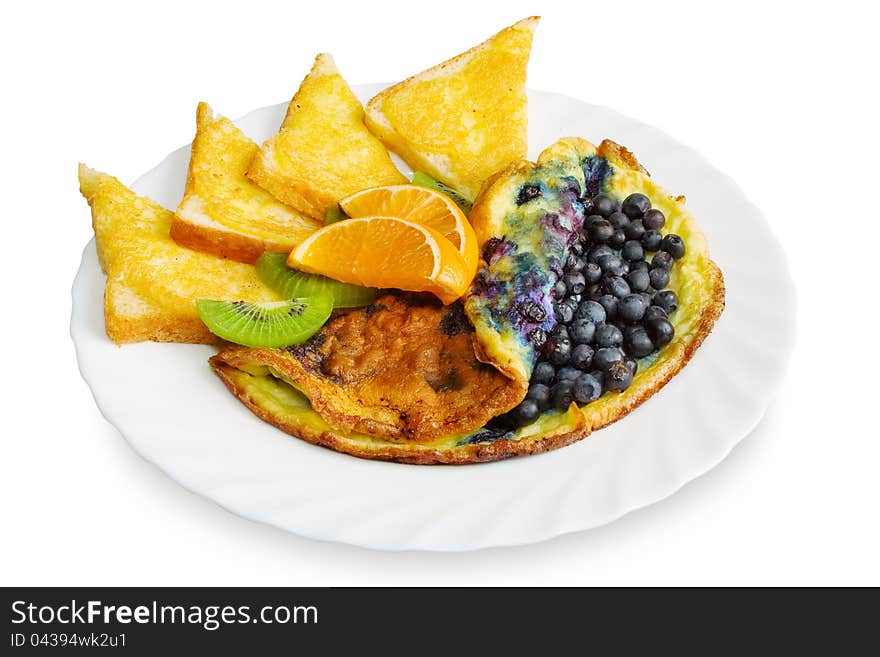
[(153, 282), (224, 213), (464, 119), (323, 152)]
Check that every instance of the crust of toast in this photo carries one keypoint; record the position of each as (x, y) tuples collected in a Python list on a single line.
[(224, 213), (323, 152)]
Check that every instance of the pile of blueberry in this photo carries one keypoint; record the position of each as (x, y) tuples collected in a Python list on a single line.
[(610, 304)]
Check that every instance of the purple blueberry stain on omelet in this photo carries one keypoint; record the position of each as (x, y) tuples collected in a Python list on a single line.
[(513, 289)]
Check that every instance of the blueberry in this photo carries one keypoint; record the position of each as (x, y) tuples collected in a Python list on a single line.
[(592, 273), (632, 250), (612, 265), (609, 303), (563, 312), (653, 312), (587, 388), (594, 291), (559, 289), (590, 220), (567, 374), (618, 377), (638, 265), (606, 357), (601, 231), (616, 286), (667, 300), (608, 335), (661, 331), (544, 373), (654, 219), (532, 311), (559, 331), (561, 395), (635, 230), (592, 311), (599, 375), (604, 205), (631, 308), (575, 282), (638, 343), (560, 350), (632, 364), (582, 356), (628, 329), (618, 220), (662, 259), (528, 193), (673, 245), (659, 278), (573, 263), (651, 240), (636, 205), (538, 337), (526, 412), (583, 330), (639, 280), (577, 248), (574, 299), (540, 392), (598, 252)]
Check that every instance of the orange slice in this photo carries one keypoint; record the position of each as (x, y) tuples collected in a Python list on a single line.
[(385, 252), (422, 206)]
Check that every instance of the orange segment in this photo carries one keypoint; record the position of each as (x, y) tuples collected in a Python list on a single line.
[(385, 252), (422, 206)]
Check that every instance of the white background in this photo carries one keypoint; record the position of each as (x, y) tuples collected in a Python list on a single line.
[(781, 96)]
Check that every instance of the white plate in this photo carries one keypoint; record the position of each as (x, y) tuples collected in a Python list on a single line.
[(172, 409)]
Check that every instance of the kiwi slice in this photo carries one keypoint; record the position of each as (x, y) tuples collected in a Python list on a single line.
[(289, 283), (333, 214), (267, 324), (422, 179)]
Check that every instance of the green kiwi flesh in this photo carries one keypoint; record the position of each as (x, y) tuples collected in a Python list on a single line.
[(289, 283), (268, 324), (422, 179), (333, 215)]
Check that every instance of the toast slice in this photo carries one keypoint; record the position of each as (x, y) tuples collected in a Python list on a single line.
[(153, 282), (224, 213), (464, 119), (323, 152)]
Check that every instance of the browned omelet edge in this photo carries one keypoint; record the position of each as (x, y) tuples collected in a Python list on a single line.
[(655, 378), (675, 357)]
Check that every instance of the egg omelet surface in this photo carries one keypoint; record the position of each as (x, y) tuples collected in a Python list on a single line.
[(524, 238)]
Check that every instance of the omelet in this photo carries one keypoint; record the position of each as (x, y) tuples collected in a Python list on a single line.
[(403, 369), (523, 245)]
